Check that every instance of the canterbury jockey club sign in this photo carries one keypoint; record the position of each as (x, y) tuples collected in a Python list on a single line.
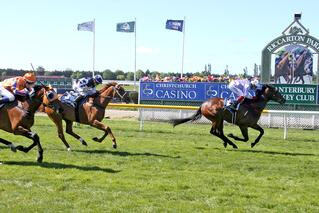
[(201, 91)]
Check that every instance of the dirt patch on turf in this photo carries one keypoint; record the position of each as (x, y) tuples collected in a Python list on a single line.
[(113, 113)]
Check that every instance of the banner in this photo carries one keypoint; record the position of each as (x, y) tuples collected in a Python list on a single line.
[(201, 91), (298, 94), (175, 25), (86, 26), (182, 91), (127, 27)]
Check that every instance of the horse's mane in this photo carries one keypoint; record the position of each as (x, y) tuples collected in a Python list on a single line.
[(37, 88), (106, 86)]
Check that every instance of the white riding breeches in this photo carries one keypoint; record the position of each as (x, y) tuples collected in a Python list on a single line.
[(6, 93)]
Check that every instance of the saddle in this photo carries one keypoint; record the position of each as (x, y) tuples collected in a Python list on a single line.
[(75, 101)]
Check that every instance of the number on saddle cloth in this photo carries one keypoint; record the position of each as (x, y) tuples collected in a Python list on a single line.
[(69, 98)]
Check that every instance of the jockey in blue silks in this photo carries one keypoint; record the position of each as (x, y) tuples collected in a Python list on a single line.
[(86, 86), (241, 87)]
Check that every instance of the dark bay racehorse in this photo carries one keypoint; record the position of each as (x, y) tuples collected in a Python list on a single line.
[(90, 113), (247, 115), (299, 71), (19, 119), (283, 69)]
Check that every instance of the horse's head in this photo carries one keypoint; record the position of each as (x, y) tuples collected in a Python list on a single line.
[(114, 90), (271, 93), (121, 93), (50, 98)]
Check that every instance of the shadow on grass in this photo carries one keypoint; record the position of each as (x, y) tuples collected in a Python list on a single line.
[(123, 154), (59, 166), (271, 152)]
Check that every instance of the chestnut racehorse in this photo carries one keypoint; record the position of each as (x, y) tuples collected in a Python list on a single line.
[(90, 113), (247, 116), (19, 119)]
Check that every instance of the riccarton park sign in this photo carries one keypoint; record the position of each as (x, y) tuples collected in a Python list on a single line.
[(294, 54)]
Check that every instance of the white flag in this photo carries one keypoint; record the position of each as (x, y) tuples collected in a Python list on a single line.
[(86, 26)]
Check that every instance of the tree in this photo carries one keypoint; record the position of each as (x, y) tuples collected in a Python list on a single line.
[(118, 72), (40, 70), (108, 75), (139, 74), (129, 76), (147, 72)]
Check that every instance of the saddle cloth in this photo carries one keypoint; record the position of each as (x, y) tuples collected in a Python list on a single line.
[(70, 97)]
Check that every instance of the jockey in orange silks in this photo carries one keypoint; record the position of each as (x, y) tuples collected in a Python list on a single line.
[(22, 86)]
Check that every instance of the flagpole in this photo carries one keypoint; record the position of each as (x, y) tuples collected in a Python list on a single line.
[(183, 48), (93, 47), (135, 56)]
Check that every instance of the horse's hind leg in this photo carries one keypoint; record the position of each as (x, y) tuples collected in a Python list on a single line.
[(107, 130), (261, 132), (244, 132), (220, 133), (9, 144), (69, 130), (36, 141)]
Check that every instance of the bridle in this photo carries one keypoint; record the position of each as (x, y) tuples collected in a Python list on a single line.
[(115, 91)]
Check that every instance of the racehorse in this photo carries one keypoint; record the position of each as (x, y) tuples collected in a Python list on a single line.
[(18, 119), (283, 69), (247, 115), (90, 113), (300, 68)]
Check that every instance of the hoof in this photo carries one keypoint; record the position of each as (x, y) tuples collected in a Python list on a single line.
[(40, 159), (114, 145), (96, 140), (20, 148), (84, 143), (225, 145), (252, 145), (68, 149), (13, 148), (235, 147), (230, 135)]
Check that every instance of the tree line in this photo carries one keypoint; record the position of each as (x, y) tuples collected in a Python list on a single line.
[(106, 74)]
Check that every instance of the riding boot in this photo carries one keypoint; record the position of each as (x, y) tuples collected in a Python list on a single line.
[(233, 106), (77, 101)]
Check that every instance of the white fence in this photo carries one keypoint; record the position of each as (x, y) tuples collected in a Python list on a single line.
[(270, 119)]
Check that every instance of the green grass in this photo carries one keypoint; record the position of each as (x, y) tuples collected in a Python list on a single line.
[(162, 169)]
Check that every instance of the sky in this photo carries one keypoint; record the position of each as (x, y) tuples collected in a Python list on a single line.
[(221, 33)]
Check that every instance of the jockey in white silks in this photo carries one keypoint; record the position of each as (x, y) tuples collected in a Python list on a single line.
[(86, 86), (241, 88)]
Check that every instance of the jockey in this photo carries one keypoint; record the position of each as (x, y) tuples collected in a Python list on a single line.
[(86, 86), (22, 86), (241, 87)]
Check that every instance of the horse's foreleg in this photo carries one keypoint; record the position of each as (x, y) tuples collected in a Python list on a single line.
[(107, 130), (36, 141), (261, 133), (58, 123), (69, 130), (9, 144), (244, 132)]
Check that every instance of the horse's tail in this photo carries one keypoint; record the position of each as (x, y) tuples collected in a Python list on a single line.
[(194, 117)]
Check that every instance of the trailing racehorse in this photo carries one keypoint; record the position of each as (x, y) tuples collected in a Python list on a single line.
[(247, 116), (19, 119), (91, 112), (283, 69), (299, 71)]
